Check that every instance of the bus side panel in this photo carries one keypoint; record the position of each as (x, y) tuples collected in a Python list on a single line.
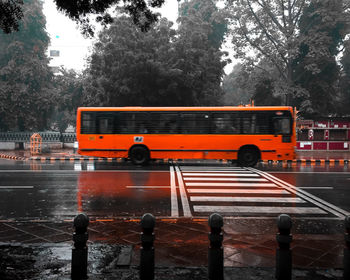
[(185, 146)]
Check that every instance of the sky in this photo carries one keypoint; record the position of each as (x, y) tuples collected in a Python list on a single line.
[(73, 47)]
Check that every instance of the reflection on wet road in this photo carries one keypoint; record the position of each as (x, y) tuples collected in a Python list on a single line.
[(59, 190)]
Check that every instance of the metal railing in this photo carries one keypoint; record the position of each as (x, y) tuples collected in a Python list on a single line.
[(46, 137)]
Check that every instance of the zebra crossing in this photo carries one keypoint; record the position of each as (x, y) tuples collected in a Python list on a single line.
[(247, 192)]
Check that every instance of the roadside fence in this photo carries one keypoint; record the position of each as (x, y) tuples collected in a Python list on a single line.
[(50, 136), (283, 269)]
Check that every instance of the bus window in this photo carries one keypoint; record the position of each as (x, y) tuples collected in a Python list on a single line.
[(225, 123), (88, 123), (163, 123), (263, 124), (127, 123), (282, 126), (195, 123), (248, 123), (105, 124)]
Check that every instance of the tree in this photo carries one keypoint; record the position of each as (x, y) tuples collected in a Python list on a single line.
[(159, 68), (234, 88), (26, 93), (69, 87), (270, 30), (243, 85), (344, 82), (201, 31), (322, 27), (129, 67), (10, 15), (11, 12)]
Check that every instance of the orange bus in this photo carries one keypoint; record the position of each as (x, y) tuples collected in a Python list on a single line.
[(245, 134)]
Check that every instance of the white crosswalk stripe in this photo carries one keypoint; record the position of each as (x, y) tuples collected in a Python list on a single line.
[(240, 191), (247, 199)]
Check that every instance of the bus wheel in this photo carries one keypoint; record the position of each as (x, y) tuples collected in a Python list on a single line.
[(139, 155), (248, 157)]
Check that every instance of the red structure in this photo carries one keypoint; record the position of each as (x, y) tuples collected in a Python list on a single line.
[(325, 134)]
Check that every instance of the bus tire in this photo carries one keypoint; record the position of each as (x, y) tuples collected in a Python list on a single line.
[(139, 155), (248, 156)]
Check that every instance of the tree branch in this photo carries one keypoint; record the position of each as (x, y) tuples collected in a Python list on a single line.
[(269, 37), (271, 15), (261, 50)]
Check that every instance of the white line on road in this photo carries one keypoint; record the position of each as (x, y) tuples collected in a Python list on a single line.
[(185, 168), (16, 187), (148, 187), (307, 196), (174, 205), (247, 199), (221, 174), (184, 200), (230, 185), (225, 179), (316, 188), (246, 191), (256, 209), (220, 171)]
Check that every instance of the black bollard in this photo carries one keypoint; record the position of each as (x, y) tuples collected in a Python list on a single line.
[(346, 261), (283, 253), (147, 250), (80, 250), (215, 251)]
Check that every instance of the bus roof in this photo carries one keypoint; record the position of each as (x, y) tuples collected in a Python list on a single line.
[(213, 108)]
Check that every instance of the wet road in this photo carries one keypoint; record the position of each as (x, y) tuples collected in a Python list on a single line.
[(60, 190)]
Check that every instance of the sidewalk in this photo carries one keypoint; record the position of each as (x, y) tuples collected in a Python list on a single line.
[(42, 250)]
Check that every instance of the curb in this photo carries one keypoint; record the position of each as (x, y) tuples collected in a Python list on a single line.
[(307, 162), (12, 157), (311, 162), (297, 162), (94, 159)]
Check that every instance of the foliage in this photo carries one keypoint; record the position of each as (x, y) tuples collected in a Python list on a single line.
[(159, 68), (26, 95), (234, 87), (200, 35), (243, 85), (344, 83), (322, 27), (273, 31), (11, 12), (69, 87)]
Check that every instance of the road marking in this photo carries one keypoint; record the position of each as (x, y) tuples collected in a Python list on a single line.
[(220, 171), (313, 172), (184, 200), (148, 187), (305, 195), (174, 205), (16, 187), (77, 167), (230, 185), (225, 179), (316, 188), (246, 191), (247, 199), (186, 168), (221, 174), (90, 166), (256, 209)]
